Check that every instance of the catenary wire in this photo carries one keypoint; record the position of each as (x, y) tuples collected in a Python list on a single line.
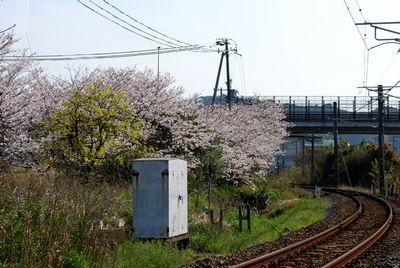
[(119, 24), (364, 39), (358, 30), (389, 66), (360, 10), (392, 87), (148, 27)]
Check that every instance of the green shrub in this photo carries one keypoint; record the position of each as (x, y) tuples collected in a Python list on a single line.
[(75, 260), (357, 162), (95, 131)]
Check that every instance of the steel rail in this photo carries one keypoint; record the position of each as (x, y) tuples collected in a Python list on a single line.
[(354, 253), (275, 256)]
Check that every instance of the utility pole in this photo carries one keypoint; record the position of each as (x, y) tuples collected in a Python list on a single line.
[(335, 141), (158, 62), (225, 53), (381, 139), (312, 159), (218, 75), (228, 79), (303, 169), (383, 27)]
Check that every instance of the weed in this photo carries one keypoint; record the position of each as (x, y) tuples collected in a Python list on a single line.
[(150, 254)]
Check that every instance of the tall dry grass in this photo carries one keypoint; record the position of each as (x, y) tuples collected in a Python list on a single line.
[(47, 219)]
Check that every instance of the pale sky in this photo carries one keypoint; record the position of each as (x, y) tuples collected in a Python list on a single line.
[(289, 47)]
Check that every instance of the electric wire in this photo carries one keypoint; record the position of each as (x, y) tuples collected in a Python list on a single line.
[(392, 87), (109, 53), (390, 95), (389, 66), (144, 25), (9, 28), (110, 56), (364, 39), (352, 17), (370, 102), (101, 53), (119, 24), (203, 49), (131, 25), (360, 10), (243, 77)]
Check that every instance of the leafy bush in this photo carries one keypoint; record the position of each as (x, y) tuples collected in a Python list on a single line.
[(94, 131), (358, 163)]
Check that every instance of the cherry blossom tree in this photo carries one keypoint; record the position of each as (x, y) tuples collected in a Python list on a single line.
[(171, 122), (250, 136), (15, 78), (174, 125)]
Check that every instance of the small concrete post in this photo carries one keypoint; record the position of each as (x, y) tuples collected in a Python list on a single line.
[(317, 191)]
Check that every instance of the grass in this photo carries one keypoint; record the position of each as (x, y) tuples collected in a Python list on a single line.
[(293, 216), (150, 254), (45, 221)]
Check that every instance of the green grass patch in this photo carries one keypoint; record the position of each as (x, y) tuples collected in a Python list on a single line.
[(150, 254), (288, 217)]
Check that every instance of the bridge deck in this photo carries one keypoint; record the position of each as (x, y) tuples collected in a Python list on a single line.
[(314, 114)]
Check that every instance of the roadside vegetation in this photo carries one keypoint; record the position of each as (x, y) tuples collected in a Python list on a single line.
[(50, 220)]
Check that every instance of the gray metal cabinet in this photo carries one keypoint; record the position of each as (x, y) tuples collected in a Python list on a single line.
[(160, 208)]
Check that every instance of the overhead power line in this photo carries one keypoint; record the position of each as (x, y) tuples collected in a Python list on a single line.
[(108, 55), (9, 28), (119, 24), (150, 37), (144, 25), (133, 26)]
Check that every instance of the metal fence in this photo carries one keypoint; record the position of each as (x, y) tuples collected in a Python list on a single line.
[(349, 108)]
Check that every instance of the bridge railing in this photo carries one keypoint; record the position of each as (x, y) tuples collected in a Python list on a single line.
[(299, 108)]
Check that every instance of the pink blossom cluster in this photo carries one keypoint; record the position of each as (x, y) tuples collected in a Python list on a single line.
[(250, 135)]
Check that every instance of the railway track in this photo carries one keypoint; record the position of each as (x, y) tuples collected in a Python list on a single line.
[(338, 245)]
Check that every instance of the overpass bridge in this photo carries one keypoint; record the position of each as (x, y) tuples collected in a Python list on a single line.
[(356, 114), (357, 119)]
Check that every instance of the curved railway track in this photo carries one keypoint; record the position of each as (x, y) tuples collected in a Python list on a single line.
[(338, 245)]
